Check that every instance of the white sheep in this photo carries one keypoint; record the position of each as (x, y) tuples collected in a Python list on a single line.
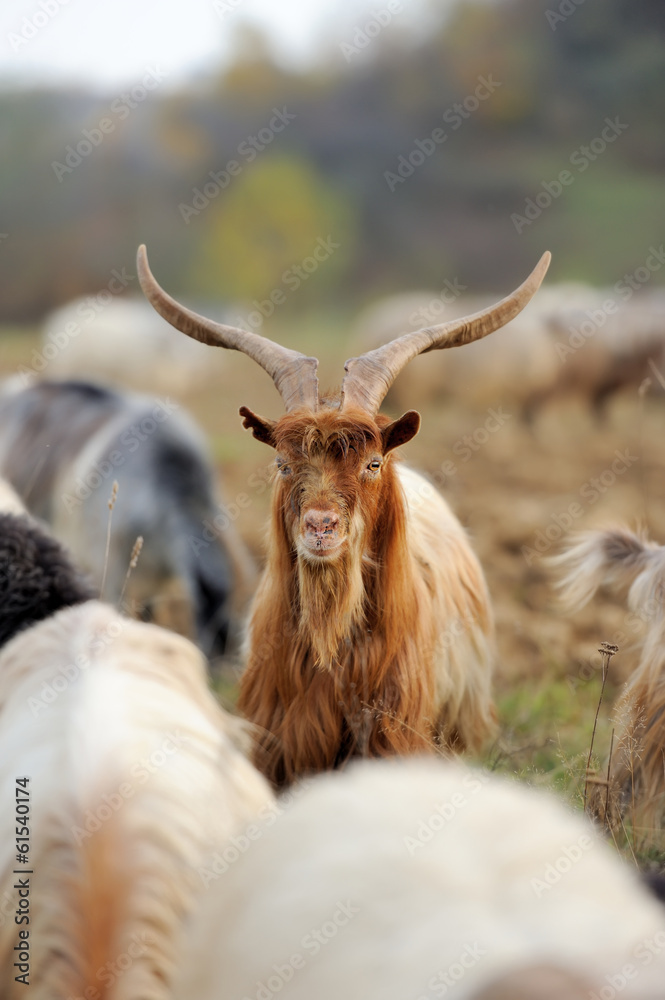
[(605, 346), (135, 777), (572, 341), (122, 342), (406, 880), (512, 368)]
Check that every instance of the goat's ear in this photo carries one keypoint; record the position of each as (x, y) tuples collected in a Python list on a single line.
[(400, 431), (262, 428)]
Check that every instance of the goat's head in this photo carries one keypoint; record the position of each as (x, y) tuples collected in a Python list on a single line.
[(333, 469), (333, 456)]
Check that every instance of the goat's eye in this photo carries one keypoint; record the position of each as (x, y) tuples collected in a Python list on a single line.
[(283, 468), (374, 465)]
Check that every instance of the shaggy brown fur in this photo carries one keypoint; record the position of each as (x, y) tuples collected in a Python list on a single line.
[(348, 656), (627, 563)]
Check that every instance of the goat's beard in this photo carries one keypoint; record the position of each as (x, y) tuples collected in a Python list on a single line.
[(332, 598)]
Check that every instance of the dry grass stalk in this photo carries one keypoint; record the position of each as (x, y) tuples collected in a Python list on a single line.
[(112, 500), (609, 771), (607, 650), (133, 559)]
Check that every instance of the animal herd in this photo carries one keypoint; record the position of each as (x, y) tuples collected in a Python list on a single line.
[(574, 343), (333, 841)]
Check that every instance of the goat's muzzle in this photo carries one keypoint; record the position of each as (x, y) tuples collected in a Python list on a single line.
[(320, 532)]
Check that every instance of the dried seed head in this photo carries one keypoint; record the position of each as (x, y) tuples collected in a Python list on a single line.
[(136, 552), (114, 494)]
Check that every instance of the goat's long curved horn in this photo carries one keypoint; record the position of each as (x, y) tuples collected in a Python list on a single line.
[(369, 377), (293, 373)]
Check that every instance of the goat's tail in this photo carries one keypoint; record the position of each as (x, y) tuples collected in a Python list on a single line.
[(615, 558)]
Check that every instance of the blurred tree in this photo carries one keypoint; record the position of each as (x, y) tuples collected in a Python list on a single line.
[(273, 216)]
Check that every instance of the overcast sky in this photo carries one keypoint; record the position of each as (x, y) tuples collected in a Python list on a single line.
[(111, 43)]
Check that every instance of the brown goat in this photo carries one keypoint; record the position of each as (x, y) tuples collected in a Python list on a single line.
[(371, 631)]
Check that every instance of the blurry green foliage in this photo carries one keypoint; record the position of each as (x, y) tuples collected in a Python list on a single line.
[(271, 219)]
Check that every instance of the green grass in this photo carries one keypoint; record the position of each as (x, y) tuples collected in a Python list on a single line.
[(546, 730)]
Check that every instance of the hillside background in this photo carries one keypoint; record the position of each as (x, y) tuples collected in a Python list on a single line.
[(554, 81)]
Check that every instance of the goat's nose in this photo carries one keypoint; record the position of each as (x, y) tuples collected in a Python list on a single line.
[(321, 523)]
